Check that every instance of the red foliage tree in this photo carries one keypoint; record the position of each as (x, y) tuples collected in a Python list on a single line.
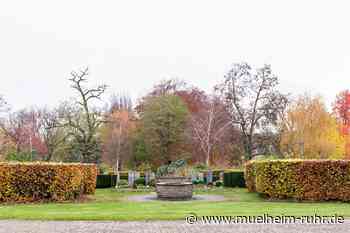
[(341, 108)]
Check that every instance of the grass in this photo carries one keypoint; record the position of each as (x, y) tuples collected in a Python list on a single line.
[(109, 204)]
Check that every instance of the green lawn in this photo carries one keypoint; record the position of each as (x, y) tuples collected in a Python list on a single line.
[(109, 204)]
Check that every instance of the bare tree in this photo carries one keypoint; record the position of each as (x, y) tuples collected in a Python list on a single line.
[(209, 126), (253, 100), (84, 120), (53, 135)]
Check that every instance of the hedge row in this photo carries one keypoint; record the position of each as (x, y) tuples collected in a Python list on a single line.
[(106, 181), (249, 176), (234, 179), (314, 180), (29, 182)]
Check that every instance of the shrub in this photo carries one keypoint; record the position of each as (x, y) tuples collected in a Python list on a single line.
[(104, 169), (314, 180), (152, 183), (123, 183), (28, 182), (218, 184), (198, 182), (140, 180), (234, 179)]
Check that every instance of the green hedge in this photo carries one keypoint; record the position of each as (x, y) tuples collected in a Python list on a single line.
[(106, 181), (234, 179), (314, 180), (29, 182)]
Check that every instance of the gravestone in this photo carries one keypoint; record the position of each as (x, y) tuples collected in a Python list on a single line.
[(131, 178), (209, 177), (221, 176), (152, 176), (147, 177)]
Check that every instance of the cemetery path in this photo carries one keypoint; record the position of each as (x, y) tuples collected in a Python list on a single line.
[(15, 226), (153, 197)]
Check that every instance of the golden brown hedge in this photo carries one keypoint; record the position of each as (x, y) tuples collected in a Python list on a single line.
[(314, 180), (29, 182)]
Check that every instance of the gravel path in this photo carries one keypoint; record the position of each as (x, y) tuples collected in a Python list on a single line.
[(153, 197), (12, 226)]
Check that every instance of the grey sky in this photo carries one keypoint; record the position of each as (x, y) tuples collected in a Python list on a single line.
[(130, 45)]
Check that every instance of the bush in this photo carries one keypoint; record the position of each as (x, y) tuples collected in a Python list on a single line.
[(152, 183), (104, 169), (123, 183), (218, 184), (234, 179), (197, 182), (140, 180), (28, 182), (314, 180)]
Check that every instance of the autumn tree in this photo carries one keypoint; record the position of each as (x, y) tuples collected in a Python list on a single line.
[(116, 132), (162, 127), (22, 129), (341, 108), (253, 100), (309, 131), (83, 119)]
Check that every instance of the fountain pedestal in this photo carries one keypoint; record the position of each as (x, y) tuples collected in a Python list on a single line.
[(174, 188)]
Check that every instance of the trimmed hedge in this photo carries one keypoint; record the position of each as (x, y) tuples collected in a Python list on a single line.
[(249, 176), (106, 181), (29, 182), (314, 180), (234, 179)]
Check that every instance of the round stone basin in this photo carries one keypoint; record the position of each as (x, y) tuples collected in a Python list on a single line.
[(174, 188)]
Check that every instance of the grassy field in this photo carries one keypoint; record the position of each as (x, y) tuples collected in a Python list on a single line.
[(109, 204)]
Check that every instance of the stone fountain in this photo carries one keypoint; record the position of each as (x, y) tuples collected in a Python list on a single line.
[(171, 186)]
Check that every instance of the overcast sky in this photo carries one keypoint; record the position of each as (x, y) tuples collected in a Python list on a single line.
[(130, 45)]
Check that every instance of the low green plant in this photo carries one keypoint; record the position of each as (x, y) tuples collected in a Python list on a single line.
[(140, 181), (152, 183), (123, 182), (104, 169), (218, 184)]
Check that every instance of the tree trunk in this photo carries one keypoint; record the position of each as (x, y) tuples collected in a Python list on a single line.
[(207, 159), (248, 148)]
